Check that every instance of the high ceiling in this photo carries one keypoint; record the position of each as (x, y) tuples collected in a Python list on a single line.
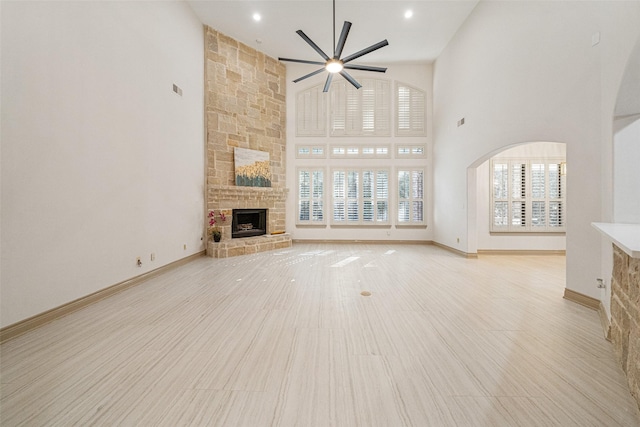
[(418, 39)]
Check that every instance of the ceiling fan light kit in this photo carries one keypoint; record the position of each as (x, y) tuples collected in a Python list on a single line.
[(336, 65)]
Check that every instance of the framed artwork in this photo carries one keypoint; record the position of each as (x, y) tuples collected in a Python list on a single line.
[(252, 167)]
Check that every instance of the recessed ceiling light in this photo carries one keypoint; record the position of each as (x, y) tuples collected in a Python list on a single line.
[(408, 14), (257, 17)]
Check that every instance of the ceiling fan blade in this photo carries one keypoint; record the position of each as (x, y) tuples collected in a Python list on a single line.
[(327, 84), (312, 44), (365, 68), (342, 40), (350, 79), (370, 49), (302, 61), (309, 75)]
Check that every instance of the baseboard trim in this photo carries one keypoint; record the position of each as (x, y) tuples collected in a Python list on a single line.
[(31, 323), (456, 251), (605, 322), (372, 242), (520, 252), (582, 299), (594, 304)]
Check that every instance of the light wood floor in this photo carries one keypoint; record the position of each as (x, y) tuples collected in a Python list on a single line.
[(285, 338)]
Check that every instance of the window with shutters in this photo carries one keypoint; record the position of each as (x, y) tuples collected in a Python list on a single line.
[(311, 110), (410, 196), (310, 196), (528, 195), (360, 112), (360, 196), (410, 111)]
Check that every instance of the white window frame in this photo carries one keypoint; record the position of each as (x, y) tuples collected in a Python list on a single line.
[(360, 151), (410, 112), (313, 198), (311, 151), (416, 175), (527, 198), (411, 151), (357, 199)]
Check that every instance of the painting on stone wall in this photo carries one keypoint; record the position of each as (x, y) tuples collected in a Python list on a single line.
[(252, 168)]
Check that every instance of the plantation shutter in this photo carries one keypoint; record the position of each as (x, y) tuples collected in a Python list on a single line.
[(518, 194), (410, 111), (310, 196), (500, 194), (339, 199), (338, 108), (311, 112), (417, 196), (382, 196), (556, 196), (368, 107), (368, 184), (358, 112), (538, 195), (527, 196), (353, 211), (353, 110), (304, 182)]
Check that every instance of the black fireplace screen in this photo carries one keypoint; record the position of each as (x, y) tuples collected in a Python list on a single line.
[(249, 222)]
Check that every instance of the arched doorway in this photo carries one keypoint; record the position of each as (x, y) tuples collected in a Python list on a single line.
[(482, 236)]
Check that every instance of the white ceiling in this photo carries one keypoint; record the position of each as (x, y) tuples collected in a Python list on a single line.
[(418, 39)]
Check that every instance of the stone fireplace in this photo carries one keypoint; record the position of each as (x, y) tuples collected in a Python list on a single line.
[(245, 107)]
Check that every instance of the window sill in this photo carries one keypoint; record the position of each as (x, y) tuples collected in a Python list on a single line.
[(360, 225), (527, 233)]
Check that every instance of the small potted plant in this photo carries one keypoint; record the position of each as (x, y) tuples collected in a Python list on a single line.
[(214, 230)]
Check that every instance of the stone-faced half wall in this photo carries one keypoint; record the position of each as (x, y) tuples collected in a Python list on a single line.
[(625, 316), (246, 108)]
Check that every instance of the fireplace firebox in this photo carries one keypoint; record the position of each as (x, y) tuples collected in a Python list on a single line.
[(248, 223)]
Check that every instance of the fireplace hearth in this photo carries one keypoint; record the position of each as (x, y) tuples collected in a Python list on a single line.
[(248, 223)]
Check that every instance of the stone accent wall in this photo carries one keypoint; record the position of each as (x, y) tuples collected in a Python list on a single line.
[(625, 316), (245, 107)]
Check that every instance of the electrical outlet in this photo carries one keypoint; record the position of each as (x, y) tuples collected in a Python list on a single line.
[(153, 256), (184, 246), (457, 240)]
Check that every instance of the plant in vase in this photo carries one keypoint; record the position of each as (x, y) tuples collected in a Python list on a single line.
[(214, 230)]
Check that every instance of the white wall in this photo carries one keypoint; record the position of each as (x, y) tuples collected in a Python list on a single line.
[(626, 171), (514, 241), (527, 71), (416, 75), (101, 161)]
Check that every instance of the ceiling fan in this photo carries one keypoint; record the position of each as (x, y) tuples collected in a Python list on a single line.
[(337, 65)]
